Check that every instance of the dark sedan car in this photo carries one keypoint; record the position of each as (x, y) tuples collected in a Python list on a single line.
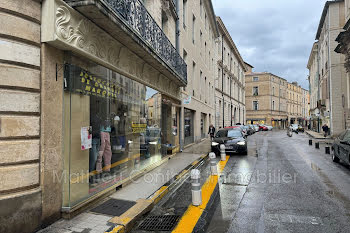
[(233, 140), (341, 148)]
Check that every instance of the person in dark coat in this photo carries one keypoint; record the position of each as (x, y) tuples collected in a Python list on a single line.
[(325, 129), (211, 131)]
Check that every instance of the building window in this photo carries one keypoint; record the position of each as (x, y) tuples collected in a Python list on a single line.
[(193, 74), (115, 119), (201, 7), (164, 22), (273, 105), (193, 28), (255, 91), (255, 79), (273, 90), (184, 11), (200, 40), (200, 86), (255, 105)]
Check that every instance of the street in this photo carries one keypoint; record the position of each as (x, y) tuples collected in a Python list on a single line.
[(283, 185)]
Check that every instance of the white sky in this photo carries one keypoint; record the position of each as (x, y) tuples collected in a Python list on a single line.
[(273, 35)]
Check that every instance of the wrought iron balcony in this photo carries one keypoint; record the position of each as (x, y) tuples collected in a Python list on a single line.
[(137, 18)]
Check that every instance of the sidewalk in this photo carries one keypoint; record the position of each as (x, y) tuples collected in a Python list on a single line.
[(138, 192), (320, 136), (315, 135)]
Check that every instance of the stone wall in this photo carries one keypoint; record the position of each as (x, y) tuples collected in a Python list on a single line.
[(20, 192)]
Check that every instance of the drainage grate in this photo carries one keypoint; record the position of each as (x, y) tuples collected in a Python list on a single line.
[(113, 207), (159, 223)]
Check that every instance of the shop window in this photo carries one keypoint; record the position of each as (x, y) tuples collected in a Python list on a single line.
[(114, 127)]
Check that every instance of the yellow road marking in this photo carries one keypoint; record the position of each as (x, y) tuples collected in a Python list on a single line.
[(195, 162), (117, 229), (193, 213), (181, 174), (157, 196)]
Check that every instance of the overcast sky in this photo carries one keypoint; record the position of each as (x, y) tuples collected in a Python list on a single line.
[(273, 35)]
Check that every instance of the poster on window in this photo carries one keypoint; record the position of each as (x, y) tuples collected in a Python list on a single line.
[(86, 138)]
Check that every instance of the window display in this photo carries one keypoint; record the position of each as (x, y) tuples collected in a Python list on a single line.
[(130, 127)]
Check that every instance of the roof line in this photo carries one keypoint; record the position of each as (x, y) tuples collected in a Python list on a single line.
[(323, 16), (213, 17), (222, 25)]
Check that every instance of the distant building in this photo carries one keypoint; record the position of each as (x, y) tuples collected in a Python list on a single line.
[(297, 104), (266, 99), (332, 94), (343, 48), (229, 81), (314, 89)]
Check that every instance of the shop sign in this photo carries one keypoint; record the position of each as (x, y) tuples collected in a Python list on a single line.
[(80, 81), (187, 100), (138, 127)]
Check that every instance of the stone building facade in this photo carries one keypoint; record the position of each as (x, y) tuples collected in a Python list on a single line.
[(343, 47), (76, 74), (305, 107), (229, 81), (314, 89), (333, 89), (294, 103), (21, 190), (266, 99), (198, 32), (297, 104)]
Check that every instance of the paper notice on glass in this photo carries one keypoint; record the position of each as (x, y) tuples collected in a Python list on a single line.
[(86, 138)]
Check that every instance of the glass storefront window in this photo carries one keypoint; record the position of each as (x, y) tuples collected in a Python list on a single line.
[(114, 127), (188, 120)]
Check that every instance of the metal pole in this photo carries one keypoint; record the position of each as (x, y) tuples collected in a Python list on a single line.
[(196, 187)]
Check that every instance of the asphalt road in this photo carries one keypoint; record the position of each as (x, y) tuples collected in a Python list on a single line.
[(283, 185), (293, 187)]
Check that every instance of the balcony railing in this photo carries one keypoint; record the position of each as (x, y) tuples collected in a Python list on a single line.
[(136, 17)]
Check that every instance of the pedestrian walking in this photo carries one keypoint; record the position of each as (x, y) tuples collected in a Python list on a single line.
[(211, 131), (325, 129)]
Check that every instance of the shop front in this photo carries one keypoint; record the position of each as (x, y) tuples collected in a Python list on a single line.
[(254, 121), (121, 101), (114, 128)]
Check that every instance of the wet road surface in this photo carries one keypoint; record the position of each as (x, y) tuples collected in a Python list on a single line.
[(283, 185)]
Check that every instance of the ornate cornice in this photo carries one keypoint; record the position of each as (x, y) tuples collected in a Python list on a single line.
[(68, 30)]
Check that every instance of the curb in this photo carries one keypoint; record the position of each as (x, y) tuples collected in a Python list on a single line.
[(327, 143), (126, 221), (314, 136)]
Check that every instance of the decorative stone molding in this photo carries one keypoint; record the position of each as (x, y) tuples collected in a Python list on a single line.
[(65, 28)]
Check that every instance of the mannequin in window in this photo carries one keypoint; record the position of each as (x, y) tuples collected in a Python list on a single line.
[(105, 148)]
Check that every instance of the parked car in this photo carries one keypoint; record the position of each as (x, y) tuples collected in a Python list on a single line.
[(256, 127), (294, 127), (300, 128), (233, 140), (249, 130), (341, 148), (253, 128), (269, 127), (263, 128), (238, 127)]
